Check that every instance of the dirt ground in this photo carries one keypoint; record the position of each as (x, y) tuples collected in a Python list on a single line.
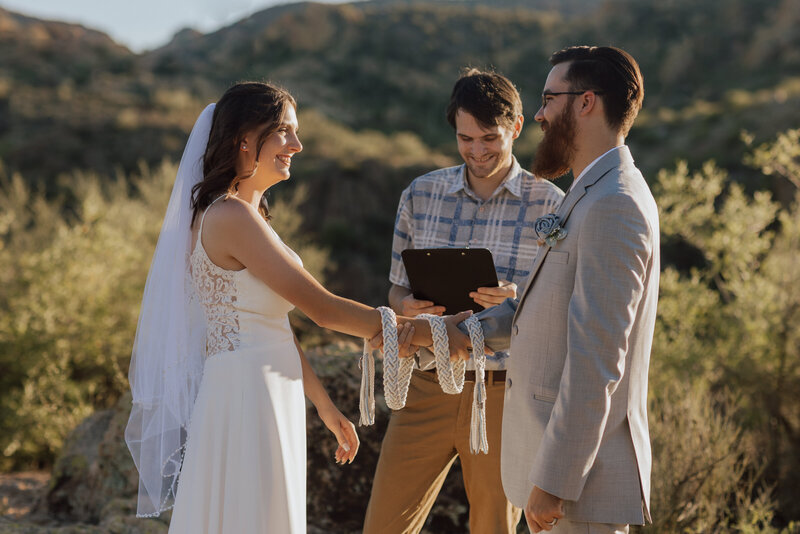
[(19, 492)]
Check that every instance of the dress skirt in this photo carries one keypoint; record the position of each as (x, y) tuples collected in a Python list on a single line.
[(244, 469)]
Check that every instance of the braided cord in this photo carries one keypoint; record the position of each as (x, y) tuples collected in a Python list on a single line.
[(451, 375), (478, 441), (397, 372)]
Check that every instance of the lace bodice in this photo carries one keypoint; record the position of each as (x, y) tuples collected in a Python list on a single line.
[(216, 290), (239, 308)]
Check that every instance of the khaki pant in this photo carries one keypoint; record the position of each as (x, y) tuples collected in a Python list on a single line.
[(420, 445), (565, 526)]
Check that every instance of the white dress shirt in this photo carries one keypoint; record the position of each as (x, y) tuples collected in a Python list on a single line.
[(588, 168)]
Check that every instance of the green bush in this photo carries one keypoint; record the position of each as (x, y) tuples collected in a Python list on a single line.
[(71, 277), (725, 372), (706, 467), (72, 271)]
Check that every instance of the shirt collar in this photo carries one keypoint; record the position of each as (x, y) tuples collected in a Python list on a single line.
[(589, 167), (512, 182)]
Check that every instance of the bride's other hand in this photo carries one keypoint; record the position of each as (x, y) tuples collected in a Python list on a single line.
[(337, 423), (405, 334), (344, 431)]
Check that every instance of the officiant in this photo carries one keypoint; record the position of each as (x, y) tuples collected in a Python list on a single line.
[(489, 202)]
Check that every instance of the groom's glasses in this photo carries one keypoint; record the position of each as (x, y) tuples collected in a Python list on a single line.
[(548, 94)]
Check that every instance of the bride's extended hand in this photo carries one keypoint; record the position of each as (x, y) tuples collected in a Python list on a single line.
[(344, 431), (405, 333)]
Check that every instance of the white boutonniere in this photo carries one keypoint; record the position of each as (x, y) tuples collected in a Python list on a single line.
[(548, 229)]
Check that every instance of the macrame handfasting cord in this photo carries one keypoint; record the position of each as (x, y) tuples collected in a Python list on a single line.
[(396, 370), (397, 373), (451, 375)]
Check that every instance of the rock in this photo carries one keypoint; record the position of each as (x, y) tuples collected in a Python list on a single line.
[(116, 475), (338, 495), (72, 495), (119, 517), (95, 481), (19, 492)]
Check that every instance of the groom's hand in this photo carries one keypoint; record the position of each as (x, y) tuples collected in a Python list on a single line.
[(492, 296), (459, 342), (542, 510)]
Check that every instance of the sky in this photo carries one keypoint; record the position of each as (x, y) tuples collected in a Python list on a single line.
[(143, 24)]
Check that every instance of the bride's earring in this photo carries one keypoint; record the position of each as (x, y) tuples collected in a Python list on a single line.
[(244, 147)]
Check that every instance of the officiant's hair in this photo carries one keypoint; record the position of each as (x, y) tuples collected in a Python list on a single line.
[(245, 107), (612, 73), (488, 96)]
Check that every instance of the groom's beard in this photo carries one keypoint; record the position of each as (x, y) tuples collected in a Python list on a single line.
[(555, 152)]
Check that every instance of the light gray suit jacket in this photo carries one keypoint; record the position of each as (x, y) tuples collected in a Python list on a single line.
[(575, 416)]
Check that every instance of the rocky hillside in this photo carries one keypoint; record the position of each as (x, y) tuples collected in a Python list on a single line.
[(41, 52), (89, 103)]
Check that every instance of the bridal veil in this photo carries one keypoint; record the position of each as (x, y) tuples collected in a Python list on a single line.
[(169, 349)]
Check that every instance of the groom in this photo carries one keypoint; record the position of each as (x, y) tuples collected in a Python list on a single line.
[(575, 445)]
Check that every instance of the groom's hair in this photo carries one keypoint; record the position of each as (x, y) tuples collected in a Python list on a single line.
[(488, 96), (612, 73)]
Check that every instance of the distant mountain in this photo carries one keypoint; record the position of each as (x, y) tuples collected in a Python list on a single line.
[(22, 29), (564, 6), (42, 52), (561, 6), (328, 53), (365, 64), (389, 65)]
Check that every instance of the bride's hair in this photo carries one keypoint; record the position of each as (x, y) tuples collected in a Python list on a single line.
[(243, 108)]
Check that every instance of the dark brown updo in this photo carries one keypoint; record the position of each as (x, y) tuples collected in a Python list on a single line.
[(245, 107)]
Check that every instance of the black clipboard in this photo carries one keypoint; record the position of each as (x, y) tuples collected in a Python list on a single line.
[(446, 276)]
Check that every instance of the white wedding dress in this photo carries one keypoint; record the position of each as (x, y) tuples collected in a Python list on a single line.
[(244, 469)]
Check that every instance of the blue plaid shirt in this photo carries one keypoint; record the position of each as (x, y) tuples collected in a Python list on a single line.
[(440, 210)]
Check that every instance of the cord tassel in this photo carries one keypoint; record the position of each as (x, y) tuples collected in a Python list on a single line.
[(366, 403), (478, 441)]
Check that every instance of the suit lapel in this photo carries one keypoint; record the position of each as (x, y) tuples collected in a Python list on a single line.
[(600, 169), (563, 213)]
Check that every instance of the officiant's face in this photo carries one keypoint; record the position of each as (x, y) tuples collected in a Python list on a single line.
[(486, 151)]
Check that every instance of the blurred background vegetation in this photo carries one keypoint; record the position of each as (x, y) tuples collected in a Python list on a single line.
[(89, 133)]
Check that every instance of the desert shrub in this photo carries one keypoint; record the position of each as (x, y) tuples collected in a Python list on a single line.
[(72, 271), (706, 467), (725, 372)]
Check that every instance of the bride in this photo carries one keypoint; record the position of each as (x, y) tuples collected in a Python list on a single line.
[(217, 375)]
